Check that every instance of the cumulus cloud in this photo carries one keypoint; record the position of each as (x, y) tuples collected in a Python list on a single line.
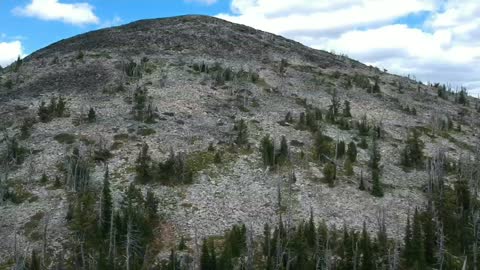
[(9, 52), (444, 48), (53, 10)]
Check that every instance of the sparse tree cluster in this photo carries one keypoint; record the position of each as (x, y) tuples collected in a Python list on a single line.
[(173, 171), (56, 108)]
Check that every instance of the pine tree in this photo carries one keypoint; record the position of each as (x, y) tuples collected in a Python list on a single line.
[(340, 149), (346, 109), (348, 166), (408, 251), (322, 146), (34, 261), (242, 133), (376, 87), (282, 155), (377, 189), (44, 178), (366, 248), (43, 113), (106, 203), (91, 115), (417, 243), (151, 206), (267, 150), (266, 247), (362, 182), (352, 152), (330, 173), (143, 165), (310, 233), (60, 107), (412, 155)]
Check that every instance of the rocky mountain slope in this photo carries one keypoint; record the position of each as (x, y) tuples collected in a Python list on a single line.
[(182, 84)]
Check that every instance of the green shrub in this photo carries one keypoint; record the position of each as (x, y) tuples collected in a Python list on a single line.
[(330, 174), (65, 138)]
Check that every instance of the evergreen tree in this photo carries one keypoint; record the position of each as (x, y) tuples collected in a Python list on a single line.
[(362, 182), (91, 115), (348, 166), (106, 203), (43, 113), (352, 152), (462, 96), (268, 151), (412, 155), (330, 173), (377, 189), (143, 165), (376, 87), (366, 248), (34, 261), (44, 178), (346, 109), (60, 107), (363, 127), (417, 243), (282, 155), (151, 206), (408, 251), (242, 133), (322, 146), (340, 149)]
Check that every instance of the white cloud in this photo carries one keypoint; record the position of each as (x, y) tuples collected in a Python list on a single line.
[(446, 49), (113, 22), (205, 2), (53, 10), (9, 52)]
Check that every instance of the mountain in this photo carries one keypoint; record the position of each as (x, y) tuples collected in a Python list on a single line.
[(181, 107)]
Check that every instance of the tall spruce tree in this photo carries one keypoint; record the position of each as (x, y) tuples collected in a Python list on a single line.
[(106, 203), (375, 157)]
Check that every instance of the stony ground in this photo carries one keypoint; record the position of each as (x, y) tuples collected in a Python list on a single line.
[(194, 112)]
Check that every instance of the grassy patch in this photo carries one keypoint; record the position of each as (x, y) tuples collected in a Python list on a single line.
[(121, 137), (146, 131), (198, 161), (262, 83), (65, 138), (31, 226), (17, 194)]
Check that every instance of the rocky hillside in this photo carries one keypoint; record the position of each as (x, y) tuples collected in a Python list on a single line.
[(203, 93)]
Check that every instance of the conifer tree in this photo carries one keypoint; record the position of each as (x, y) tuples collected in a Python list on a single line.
[(352, 152), (242, 133), (330, 173), (340, 149), (346, 109), (408, 251), (60, 107), (417, 243), (106, 203), (366, 248), (267, 150), (362, 182), (91, 115), (43, 113), (282, 155), (143, 165), (377, 189)]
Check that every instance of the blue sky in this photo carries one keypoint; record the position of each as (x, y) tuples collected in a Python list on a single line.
[(433, 40)]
